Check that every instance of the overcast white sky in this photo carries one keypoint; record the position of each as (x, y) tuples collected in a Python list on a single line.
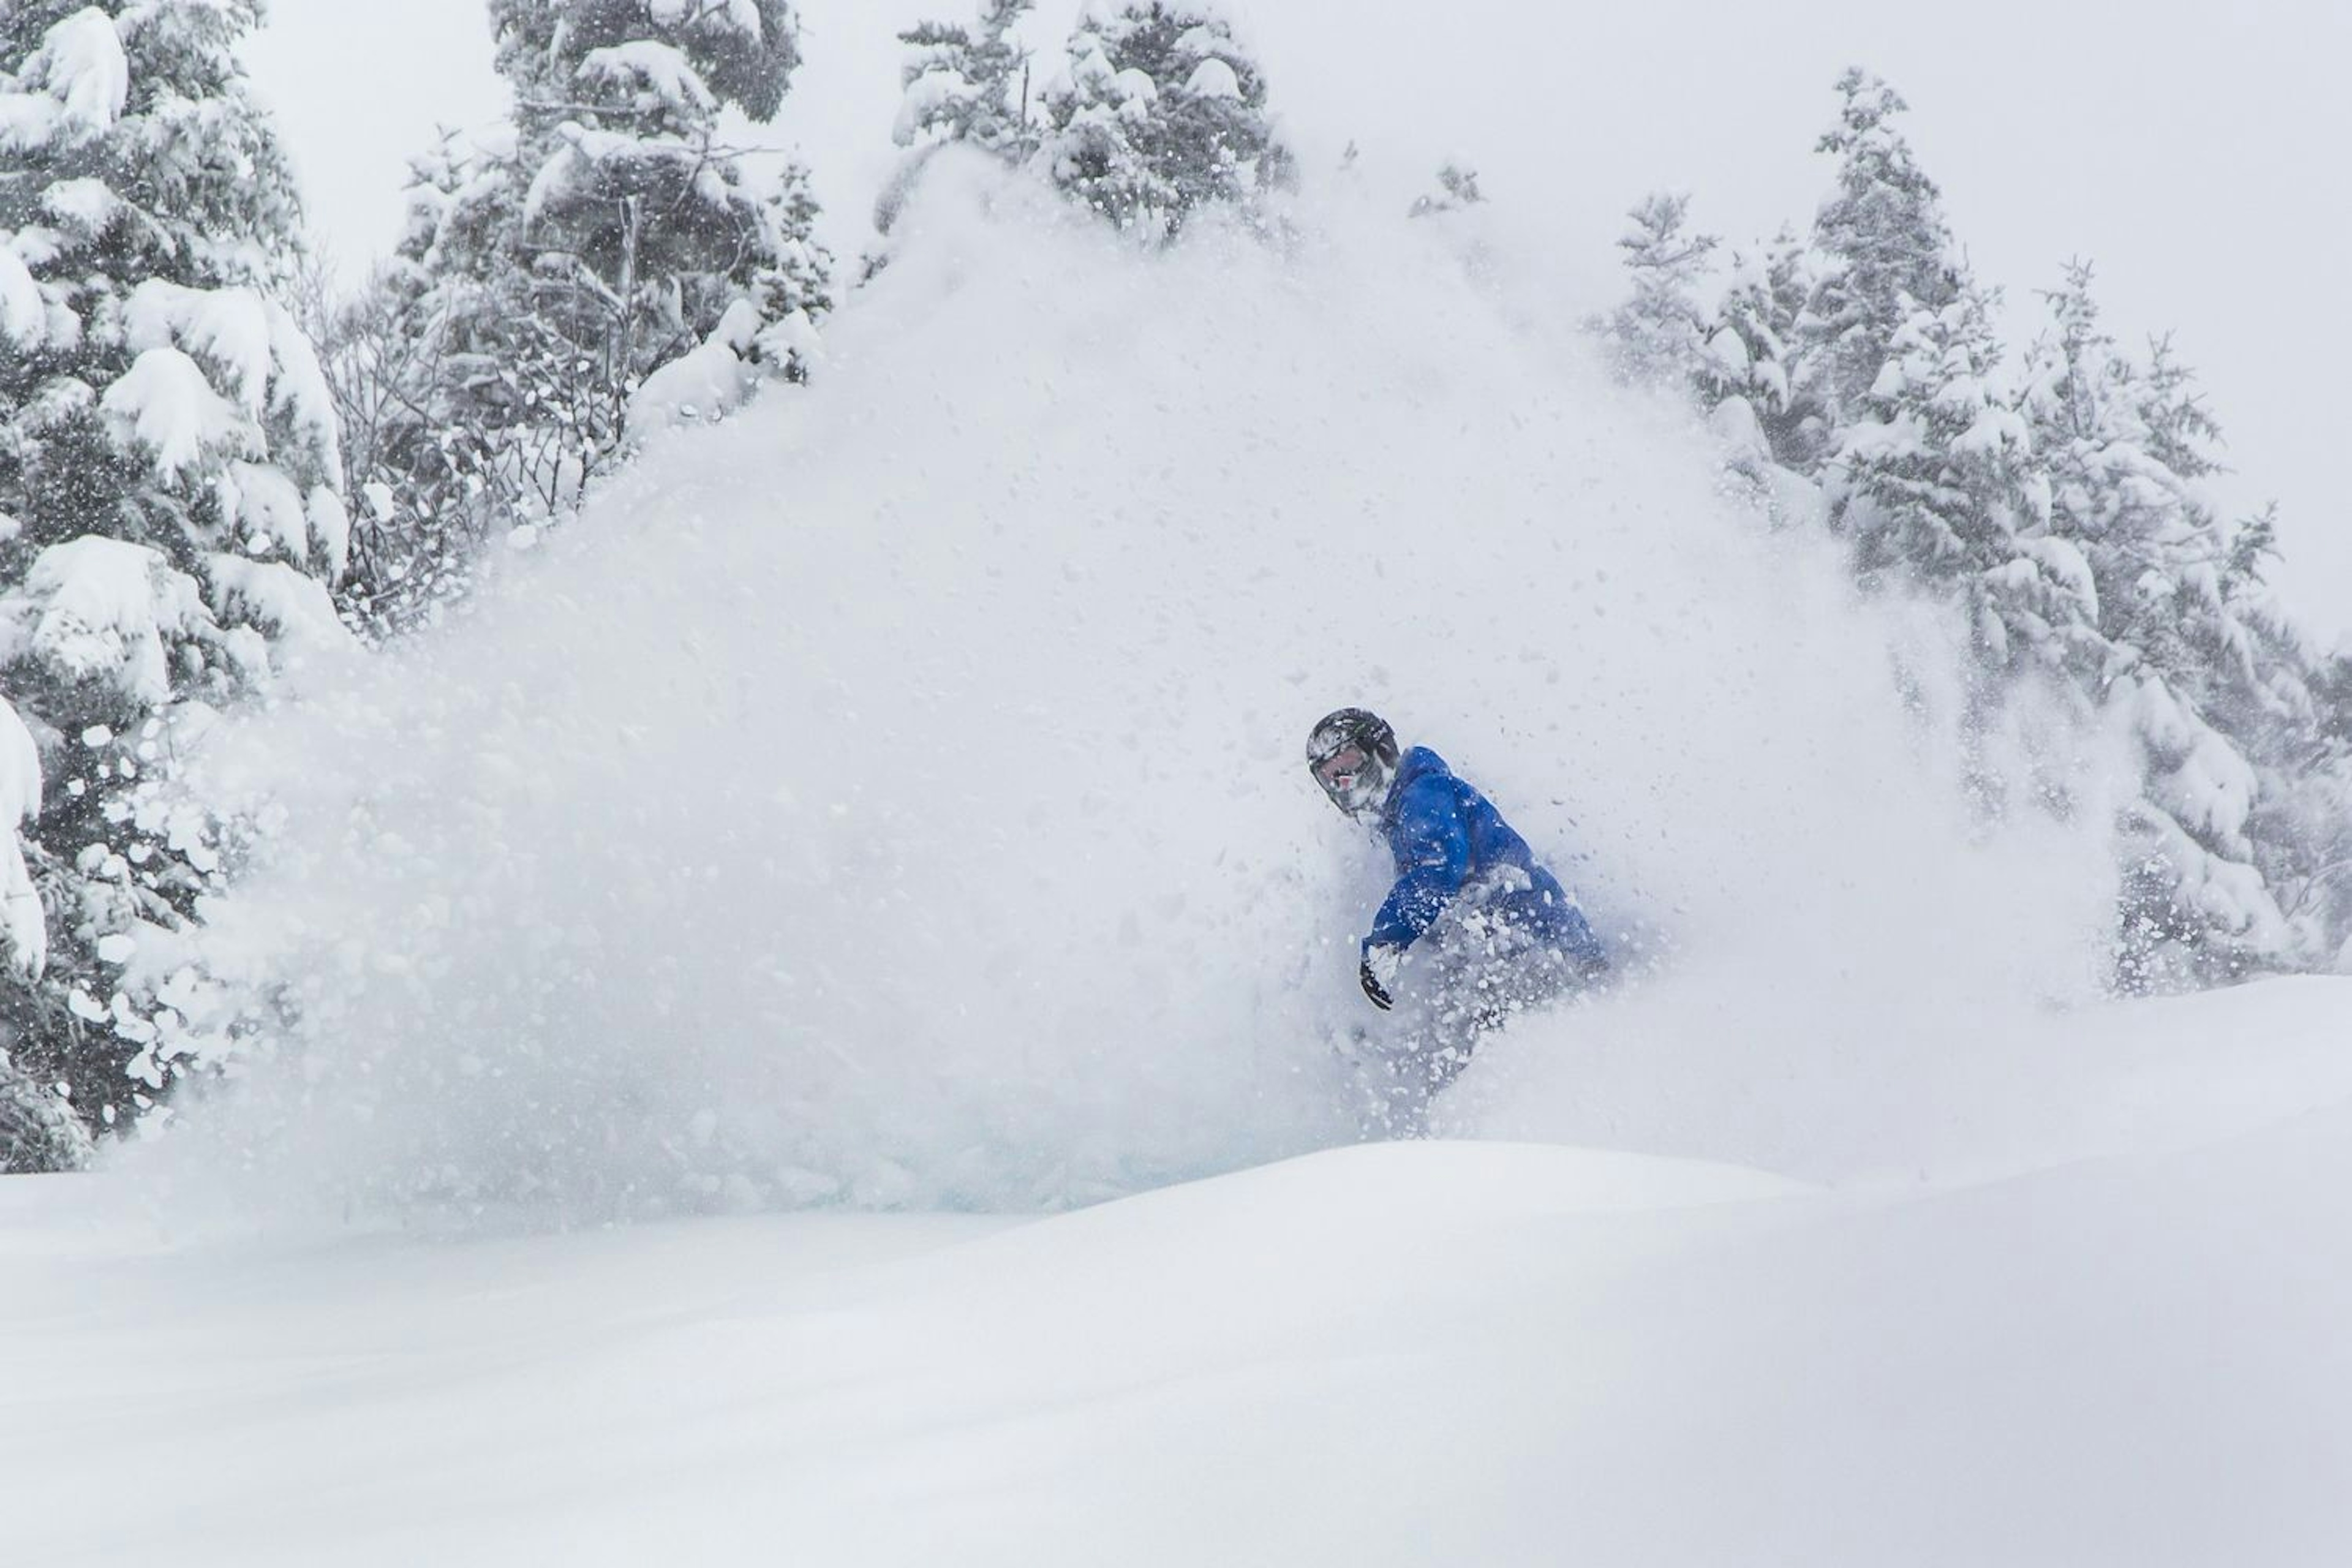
[(2194, 152)]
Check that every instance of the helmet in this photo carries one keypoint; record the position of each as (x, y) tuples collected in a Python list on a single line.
[(1354, 755)]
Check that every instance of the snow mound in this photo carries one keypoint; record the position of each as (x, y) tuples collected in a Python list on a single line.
[(1389, 1356), (893, 797)]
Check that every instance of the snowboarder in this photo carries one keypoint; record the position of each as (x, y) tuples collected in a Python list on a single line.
[(1493, 933)]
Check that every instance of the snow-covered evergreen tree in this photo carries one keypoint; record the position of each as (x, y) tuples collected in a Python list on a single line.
[(601, 261), (1746, 376), (2301, 750), (968, 84), (1857, 377), (638, 226), (155, 390), (169, 477), (1659, 336), (1161, 111), (2125, 443), (1884, 250), (2135, 514), (964, 86), (1927, 464), (1937, 483), (2310, 807)]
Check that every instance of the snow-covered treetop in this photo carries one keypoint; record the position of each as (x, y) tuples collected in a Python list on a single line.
[(740, 17), (1114, 19), (658, 74), (966, 84), (1161, 109), (1660, 335), (1886, 218), (603, 231), (739, 52), (132, 121), (1882, 237), (149, 209), (616, 108)]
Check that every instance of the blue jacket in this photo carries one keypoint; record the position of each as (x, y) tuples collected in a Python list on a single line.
[(1446, 837)]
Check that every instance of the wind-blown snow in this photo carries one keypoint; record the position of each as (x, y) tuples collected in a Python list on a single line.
[(893, 796)]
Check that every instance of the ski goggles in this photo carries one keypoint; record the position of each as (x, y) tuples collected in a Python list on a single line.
[(1340, 768)]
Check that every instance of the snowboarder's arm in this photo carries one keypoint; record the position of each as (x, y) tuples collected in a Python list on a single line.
[(1432, 845)]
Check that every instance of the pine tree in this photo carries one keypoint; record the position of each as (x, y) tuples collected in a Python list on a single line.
[(553, 272), (2130, 509), (1939, 486), (38, 1130), (157, 392), (169, 477), (638, 226), (1659, 336), (1746, 375), (969, 85), (1885, 247), (1935, 466), (2320, 893), (1858, 377), (1160, 113), (1928, 465), (2125, 443), (2301, 750), (963, 87)]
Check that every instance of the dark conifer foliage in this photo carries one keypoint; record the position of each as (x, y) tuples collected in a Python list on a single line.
[(2053, 500)]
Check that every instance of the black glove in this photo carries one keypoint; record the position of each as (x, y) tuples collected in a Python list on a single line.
[(1370, 980)]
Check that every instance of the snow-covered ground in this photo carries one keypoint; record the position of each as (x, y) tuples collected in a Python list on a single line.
[(2132, 1352)]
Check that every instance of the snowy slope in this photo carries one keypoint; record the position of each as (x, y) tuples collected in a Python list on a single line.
[(1474, 1353)]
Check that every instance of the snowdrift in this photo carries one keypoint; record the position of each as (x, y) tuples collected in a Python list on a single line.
[(1402, 1354), (892, 796)]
